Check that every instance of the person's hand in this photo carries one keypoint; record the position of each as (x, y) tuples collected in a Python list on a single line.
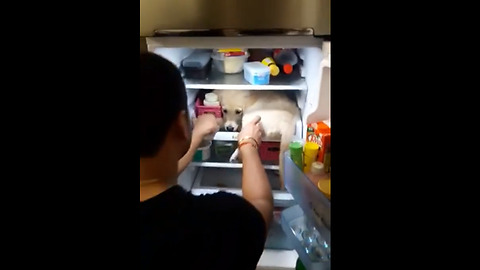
[(251, 132), (204, 125)]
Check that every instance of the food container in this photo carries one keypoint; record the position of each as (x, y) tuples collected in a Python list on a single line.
[(211, 99), (197, 65), (269, 151), (256, 73), (324, 185), (310, 154), (296, 153), (319, 133), (224, 149), (203, 151), (229, 64), (201, 108)]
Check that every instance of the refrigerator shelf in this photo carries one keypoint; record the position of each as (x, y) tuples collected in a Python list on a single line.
[(231, 165), (232, 136), (211, 180), (220, 81)]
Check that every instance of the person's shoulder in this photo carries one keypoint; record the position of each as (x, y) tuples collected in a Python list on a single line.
[(235, 220), (230, 207), (223, 199)]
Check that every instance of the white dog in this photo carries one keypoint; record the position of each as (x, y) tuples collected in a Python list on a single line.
[(278, 113)]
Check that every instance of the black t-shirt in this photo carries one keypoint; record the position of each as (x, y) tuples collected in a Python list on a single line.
[(217, 231)]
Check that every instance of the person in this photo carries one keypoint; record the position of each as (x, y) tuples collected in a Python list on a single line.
[(216, 231), (205, 125)]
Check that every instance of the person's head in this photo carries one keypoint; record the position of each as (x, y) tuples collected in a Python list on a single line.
[(164, 124)]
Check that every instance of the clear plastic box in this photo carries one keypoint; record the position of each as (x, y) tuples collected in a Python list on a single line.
[(311, 246), (229, 64), (197, 65), (256, 73)]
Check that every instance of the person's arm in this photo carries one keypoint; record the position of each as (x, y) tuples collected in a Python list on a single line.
[(255, 185), (204, 125), (187, 158)]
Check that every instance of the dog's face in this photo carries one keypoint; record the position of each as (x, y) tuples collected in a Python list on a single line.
[(232, 117), (233, 103)]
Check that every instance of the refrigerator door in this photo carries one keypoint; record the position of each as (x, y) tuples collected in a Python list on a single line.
[(307, 225), (312, 202), (304, 16)]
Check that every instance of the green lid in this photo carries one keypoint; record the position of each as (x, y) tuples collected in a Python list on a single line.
[(296, 149), (295, 145)]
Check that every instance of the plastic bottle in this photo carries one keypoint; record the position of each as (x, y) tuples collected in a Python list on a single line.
[(317, 172), (270, 63), (327, 159), (211, 99), (286, 58), (324, 186), (310, 153), (296, 154), (320, 178)]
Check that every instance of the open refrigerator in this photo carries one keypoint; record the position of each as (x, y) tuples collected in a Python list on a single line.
[(175, 29), (300, 202)]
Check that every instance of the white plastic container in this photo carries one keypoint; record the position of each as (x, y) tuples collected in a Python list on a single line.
[(256, 73), (229, 64), (211, 99), (211, 103)]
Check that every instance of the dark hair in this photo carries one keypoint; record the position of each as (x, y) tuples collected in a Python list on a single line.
[(162, 98)]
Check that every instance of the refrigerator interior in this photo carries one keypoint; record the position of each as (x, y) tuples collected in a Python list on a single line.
[(309, 91)]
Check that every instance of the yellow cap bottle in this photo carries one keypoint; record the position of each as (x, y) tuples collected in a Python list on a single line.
[(310, 154), (269, 62)]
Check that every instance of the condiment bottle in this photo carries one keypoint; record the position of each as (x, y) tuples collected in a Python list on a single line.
[(286, 58), (270, 63), (310, 155), (319, 178), (296, 153)]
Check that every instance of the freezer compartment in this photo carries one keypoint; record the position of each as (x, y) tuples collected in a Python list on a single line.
[(310, 244), (315, 205)]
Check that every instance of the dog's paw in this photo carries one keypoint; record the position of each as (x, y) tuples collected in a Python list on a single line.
[(234, 157)]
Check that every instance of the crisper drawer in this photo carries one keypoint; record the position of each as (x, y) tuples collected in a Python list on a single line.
[(313, 203), (211, 179)]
